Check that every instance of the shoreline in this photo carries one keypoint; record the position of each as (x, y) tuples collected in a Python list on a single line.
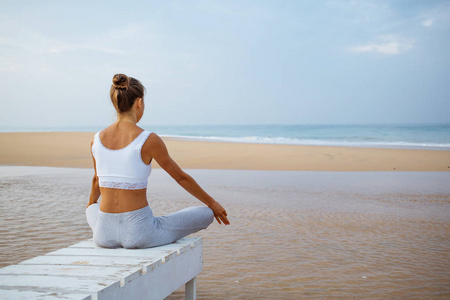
[(240, 140), (71, 149), (356, 145)]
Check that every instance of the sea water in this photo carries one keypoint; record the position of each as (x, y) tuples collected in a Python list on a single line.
[(418, 136), (392, 136)]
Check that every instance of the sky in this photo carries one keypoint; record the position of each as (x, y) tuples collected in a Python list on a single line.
[(226, 62)]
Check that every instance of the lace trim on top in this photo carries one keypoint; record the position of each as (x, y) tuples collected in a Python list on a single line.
[(123, 185)]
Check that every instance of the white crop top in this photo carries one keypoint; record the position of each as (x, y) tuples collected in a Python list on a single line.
[(122, 168)]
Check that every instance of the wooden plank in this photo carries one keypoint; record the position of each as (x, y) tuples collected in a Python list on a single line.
[(84, 244), (88, 248), (17, 294), (120, 252), (62, 284), (88, 260), (164, 253), (83, 271)]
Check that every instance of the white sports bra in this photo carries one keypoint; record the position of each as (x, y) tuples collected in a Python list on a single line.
[(122, 168)]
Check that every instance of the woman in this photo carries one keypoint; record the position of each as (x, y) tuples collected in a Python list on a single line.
[(122, 155)]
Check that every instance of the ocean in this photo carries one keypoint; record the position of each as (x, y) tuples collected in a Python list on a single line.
[(415, 136)]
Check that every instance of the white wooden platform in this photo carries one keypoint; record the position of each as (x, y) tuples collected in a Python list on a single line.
[(84, 271)]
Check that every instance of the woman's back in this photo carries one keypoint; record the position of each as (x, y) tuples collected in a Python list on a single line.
[(121, 167)]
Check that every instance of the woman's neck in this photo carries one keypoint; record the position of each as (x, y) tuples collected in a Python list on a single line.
[(130, 118)]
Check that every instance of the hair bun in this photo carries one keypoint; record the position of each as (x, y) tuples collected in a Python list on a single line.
[(120, 81)]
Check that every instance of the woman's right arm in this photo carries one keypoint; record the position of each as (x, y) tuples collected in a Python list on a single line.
[(158, 151), (95, 189)]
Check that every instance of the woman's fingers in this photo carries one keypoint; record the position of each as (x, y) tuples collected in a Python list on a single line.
[(218, 220), (224, 219)]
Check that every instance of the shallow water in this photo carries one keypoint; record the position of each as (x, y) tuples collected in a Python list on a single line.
[(360, 235)]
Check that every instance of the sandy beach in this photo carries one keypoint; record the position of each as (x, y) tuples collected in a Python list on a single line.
[(71, 149)]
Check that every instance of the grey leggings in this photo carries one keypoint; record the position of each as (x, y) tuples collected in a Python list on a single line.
[(140, 229)]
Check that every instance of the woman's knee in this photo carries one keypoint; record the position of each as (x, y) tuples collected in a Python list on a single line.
[(209, 216), (201, 216)]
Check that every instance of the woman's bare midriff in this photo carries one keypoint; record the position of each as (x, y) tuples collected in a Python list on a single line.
[(119, 201)]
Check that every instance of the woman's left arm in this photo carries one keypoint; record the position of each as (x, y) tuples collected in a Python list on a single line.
[(95, 189), (158, 151)]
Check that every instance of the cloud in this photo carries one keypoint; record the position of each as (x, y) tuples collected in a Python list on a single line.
[(113, 42), (436, 16), (427, 22), (68, 47), (37, 43), (385, 44), (8, 66)]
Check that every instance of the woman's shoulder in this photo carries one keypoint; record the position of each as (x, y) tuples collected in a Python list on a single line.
[(153, 140), (152, 146), (94, 137), (153, 137)]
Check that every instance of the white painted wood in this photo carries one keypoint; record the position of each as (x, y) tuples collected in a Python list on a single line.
[(162, 281), (112, 252), (84, 244), (191, 289), (87, 260), (17, 294), (75, 270), (84, 271), (63, 284)]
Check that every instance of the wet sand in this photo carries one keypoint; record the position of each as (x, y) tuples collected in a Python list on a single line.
[(71, 149), (327, 235)]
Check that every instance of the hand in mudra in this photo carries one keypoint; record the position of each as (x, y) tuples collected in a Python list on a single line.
[(219, 213)]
